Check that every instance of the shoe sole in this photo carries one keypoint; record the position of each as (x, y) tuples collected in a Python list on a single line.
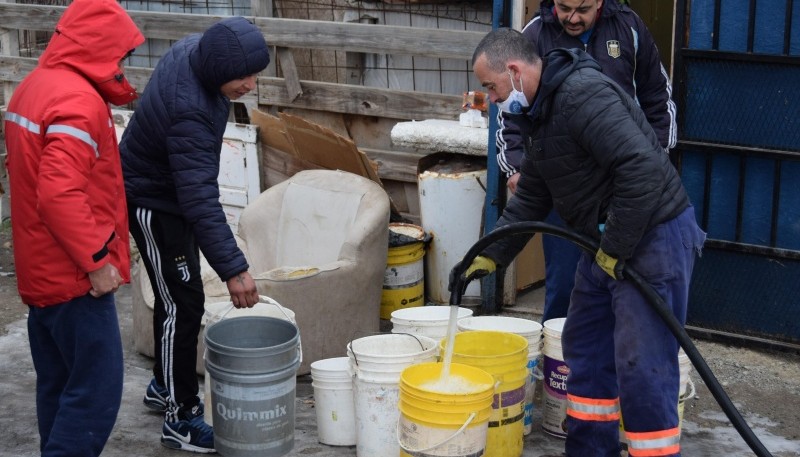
[(173, 443), (155, 405)]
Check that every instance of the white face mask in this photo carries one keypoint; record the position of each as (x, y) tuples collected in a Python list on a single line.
[(516, 100)]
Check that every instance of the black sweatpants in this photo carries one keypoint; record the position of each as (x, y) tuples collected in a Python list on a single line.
[(172, 259)]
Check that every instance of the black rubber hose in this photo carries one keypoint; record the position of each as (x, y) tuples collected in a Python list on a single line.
[(644, 288)]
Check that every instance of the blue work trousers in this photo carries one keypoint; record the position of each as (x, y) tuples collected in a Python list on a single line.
[(616, 346), (560, 262), (77, 353)]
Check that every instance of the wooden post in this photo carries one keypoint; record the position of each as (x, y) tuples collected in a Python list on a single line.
[(9, 46)]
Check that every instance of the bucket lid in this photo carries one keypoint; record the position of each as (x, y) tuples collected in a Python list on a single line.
[(401, 234)]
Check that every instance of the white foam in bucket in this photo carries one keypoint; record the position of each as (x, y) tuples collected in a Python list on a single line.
[(430, 321), (532, 331), (333, 401), (376, 362), (554, 387), (215, 312), (252, 362)]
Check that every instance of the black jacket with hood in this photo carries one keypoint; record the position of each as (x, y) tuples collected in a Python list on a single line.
[(626, 52), (171, 147), (591, 154)]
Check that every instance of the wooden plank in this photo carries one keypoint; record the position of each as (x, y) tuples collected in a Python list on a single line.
[(318, 96), (367, 101), (290, 76), (291, 33)]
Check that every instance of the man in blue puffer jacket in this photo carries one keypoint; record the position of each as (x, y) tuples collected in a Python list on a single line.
[(170, 157)]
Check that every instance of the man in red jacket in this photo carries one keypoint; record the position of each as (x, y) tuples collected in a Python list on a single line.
[(69, 222)]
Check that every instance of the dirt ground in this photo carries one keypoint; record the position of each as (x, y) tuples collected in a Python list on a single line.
[(764, 385)]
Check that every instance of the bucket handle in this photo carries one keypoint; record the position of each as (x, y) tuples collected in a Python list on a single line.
[(355, 358), (268, 301), (410, 451)]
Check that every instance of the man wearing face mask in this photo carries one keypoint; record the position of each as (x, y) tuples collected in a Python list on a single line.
[(69, 223), (591, 155), (621, 43)]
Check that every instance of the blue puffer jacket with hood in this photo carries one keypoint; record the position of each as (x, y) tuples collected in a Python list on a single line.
[(171, 147)]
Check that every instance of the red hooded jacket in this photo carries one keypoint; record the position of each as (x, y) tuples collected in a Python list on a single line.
[(68, 210)]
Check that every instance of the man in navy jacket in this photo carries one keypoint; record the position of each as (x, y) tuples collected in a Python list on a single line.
[(170, 154)]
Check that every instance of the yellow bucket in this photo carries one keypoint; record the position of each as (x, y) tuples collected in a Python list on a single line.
[(449, 419), (504, 355), (403, 280)]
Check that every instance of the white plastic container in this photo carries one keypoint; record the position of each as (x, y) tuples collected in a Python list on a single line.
[(554, 388), (376, 362), (451, 200), (430, 321), (333, 401)]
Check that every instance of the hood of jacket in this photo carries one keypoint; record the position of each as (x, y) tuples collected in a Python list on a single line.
[(91, 38), (230, 49), (558, 64)]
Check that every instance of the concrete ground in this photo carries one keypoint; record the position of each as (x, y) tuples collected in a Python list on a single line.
[(706, 431)]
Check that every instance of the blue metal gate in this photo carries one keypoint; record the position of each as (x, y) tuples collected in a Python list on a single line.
[(737, 86)]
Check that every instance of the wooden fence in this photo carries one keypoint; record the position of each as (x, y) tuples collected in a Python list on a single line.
[(285, 35)]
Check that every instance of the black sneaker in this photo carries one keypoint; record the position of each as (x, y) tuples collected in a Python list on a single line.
[(191, 433), (156, 397)]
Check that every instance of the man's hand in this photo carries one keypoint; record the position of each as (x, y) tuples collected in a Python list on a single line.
[(242, 290), (479, 268), (104, 280), (609, 264), (511, 183)]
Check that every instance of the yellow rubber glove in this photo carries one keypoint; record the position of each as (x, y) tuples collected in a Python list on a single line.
[(479, 268), (610, 265)]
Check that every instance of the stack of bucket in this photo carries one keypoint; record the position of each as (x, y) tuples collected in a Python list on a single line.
[(430, 321), (444, 417), (376, 363), (333, 401), (505, 356), (404, 278), (554, 383), (252, 362), (531, 331)]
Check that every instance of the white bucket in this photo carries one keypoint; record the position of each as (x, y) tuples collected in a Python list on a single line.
[(333, 401), (532, 331), (554, 388), (215, 312), (376, 362), (430, 321)]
